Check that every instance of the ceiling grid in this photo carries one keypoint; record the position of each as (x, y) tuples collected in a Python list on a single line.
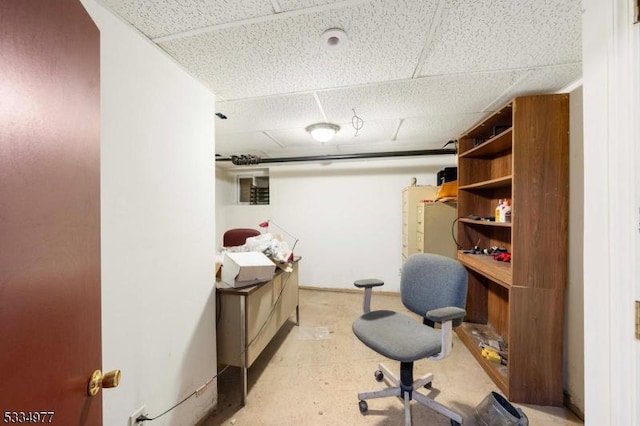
[(418, 72)]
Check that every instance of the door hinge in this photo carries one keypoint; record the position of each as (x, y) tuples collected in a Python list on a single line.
[(637, 319)]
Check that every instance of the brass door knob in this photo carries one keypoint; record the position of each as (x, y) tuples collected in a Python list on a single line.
[(99, 380)]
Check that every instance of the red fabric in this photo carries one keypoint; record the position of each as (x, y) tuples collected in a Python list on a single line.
[(238, 236)]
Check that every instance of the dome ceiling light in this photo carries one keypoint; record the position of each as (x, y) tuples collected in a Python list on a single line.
[(323, 132)]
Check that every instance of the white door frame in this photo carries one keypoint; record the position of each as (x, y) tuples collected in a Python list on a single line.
[(611, 217)]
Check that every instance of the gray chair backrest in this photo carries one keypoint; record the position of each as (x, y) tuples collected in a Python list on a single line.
[(430, 281)]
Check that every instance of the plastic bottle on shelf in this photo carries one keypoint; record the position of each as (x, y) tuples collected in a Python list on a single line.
[(506, 211), (498, 215)]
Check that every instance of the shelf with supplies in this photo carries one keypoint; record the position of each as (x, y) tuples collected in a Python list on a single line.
[(497, 144), (485, 222), (490, 128), (498, 272), (519, 153), (472, 335)]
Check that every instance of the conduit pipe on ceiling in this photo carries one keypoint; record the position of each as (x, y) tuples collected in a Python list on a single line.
[(252, 160)]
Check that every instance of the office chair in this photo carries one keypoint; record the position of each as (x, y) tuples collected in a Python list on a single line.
[(238, 236), (434, 287)]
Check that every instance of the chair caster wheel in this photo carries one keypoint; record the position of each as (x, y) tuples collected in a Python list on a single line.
[(363, 406), (378, 375)]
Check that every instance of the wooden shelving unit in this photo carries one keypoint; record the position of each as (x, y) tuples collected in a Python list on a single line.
[(521, 153)]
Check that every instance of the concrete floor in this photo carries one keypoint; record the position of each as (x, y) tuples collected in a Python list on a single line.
[(306, 378)]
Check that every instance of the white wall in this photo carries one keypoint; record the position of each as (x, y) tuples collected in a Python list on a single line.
[(573, 358), (225, 191), (346, 214), (157, 194)]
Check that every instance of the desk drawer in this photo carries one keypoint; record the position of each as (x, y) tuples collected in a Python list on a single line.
[(266, 307), (267, 311)]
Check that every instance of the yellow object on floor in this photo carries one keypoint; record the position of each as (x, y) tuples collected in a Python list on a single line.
[(491, 355)]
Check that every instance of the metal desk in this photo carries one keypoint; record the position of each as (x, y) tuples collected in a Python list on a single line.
[(249, 317)]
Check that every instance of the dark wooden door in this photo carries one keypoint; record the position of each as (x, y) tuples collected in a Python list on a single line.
[(50, 338)]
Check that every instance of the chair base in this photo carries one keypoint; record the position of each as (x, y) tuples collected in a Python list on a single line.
[(396, 389)]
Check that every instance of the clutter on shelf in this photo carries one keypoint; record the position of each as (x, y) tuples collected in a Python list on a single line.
[(503, 211), (448, 191), (492, 346), (272, 246)]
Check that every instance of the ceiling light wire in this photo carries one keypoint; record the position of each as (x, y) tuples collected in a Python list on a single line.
[(356, 122)]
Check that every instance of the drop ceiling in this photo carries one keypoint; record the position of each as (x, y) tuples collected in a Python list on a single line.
[(417, 72)]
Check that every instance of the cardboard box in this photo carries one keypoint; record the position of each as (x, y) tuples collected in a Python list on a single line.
[(218, 269), (246, 268)]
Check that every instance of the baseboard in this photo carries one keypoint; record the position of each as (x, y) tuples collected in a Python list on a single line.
[(207, 415), (568, 402), (347, 290)]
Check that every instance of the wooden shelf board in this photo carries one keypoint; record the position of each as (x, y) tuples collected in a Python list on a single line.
[(498, 272), (497, 372), (501, 182), (497, 117), (486, 222), (499, 143)]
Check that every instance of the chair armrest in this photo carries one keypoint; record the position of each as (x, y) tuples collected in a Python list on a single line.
[(368, 285), (449, 317), (448, 313)]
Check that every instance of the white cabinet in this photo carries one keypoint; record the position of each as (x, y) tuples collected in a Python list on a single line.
[(411, 197), (435, 231)]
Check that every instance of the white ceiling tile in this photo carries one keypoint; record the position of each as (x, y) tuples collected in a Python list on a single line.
[(542, 80), (481, 35), (256, 143), (412, 98), (272, 113), (158, 18), (287, 5), (436, 129), (395, 146), (286, 55)]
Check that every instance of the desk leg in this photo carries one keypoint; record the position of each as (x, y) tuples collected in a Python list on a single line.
[(297, 314), (243, 351), (243, 398)]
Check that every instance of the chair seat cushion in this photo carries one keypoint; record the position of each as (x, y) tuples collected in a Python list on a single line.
[(397, 336)]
